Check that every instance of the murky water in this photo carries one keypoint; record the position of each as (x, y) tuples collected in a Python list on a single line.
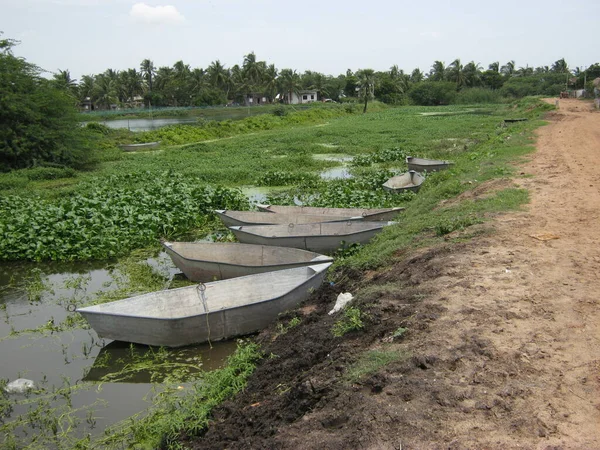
[(113, 377), (340, 172)]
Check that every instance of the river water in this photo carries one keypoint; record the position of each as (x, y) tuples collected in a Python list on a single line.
[(79, 358)]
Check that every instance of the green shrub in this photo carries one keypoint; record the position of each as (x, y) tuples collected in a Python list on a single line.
[(470, 96), (352, 320), (433, 93), (49, 173)]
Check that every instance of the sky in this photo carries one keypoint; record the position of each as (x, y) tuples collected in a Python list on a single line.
[(329, 36)]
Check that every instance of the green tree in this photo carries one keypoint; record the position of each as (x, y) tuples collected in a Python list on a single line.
[(289, 83), (366, 85), (38, 123), (438, 71)]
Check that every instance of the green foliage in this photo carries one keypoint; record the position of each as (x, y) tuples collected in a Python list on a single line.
[(430, 93), (280, 111), (471, 96), (384, 155), (352, 320), (37, 121), (550, 84), (278, 178), (370, 362), (448, 225), (109, 217), (174, 415), (284, 328)]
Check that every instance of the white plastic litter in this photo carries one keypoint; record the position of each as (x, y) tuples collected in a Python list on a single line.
[(19, 386), (342, 300)]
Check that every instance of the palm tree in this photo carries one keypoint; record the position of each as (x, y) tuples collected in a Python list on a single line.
[(269, 81), (524, 71), (416, 76), (366, 85), (456, 72), (438, 71), (289, 83), (86, 87), (131, 83), (148, 70), (62, 80), (508, 69), (252, 69), (319, 84), (494, 67), (217, 75), (472, 74), (560, 66), (105, 91)]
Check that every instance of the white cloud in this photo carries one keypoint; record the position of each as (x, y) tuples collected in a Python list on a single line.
[(155, 15)]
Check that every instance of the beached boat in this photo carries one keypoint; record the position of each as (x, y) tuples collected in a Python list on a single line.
[(370, 214), (317, 237), (429, 165), (409, 181), (137, 147), (241, 218), (206, 312), (208, 261)]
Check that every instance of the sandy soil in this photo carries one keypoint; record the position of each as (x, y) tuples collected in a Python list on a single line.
[(503, 347)]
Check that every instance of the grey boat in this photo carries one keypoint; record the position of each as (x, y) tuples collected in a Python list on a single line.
[(240, 218), (316, 237), (137, 147), (429, 165), (208, 261), (409, 181), (206, 312), (370, 214)]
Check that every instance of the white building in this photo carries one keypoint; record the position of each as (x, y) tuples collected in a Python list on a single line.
[(303, 97)]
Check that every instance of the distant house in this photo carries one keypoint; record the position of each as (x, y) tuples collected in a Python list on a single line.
[(255, 99), (307, 96), (87, 105)]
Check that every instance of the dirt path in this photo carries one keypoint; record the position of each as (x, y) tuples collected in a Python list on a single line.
[(503, 347)]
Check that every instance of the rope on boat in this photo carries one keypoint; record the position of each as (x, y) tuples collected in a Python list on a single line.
[(201, 288)]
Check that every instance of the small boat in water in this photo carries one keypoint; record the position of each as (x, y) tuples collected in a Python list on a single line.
[(370, 214), (240, 218), (317, 237), (137, 147), (429, 165), (209, 261), (206, 312), (409, 181)]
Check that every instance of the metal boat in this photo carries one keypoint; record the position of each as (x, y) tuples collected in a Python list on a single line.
[(429, 165), (409, 181), (206, 312), (240, 218), (371, 214), (209, 261)]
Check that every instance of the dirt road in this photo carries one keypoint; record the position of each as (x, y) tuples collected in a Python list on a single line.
[(503, 348)]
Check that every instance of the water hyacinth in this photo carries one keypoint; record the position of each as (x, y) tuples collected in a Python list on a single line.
[(108, 217)]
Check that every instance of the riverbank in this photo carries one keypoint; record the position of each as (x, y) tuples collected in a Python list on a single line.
[(486, 338)]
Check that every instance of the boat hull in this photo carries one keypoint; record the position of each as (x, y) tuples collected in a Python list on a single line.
[(410, 181), (323, 242), (427, 165), (220, 261), (380, 214), (136, 147), (217, 324), (243, 218)]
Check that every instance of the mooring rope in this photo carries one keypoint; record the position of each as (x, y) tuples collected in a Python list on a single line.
[(201, 288)]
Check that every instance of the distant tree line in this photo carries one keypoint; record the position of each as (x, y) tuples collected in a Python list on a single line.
[(181, 85)]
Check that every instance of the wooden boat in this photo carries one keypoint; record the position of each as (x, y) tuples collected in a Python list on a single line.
[(409, 181), (429, 165), (137, 147), (372, 214), (207, 261), (206, 312), (241, 218), (317, 237)]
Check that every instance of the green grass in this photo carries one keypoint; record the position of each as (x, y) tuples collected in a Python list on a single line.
[(371, 362), (351, 320)]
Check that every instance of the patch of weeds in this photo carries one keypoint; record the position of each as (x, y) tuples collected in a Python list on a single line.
[(284, 328), (447, 226), (370, 362), (399, 333), (352, 320), (36, 285)]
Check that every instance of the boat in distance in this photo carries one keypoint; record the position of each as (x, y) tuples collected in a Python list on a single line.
[(429, 165), (209, 261), (241, 218), (369, 214), (409, 181), (326, 237), (205, 312), (136, 147)]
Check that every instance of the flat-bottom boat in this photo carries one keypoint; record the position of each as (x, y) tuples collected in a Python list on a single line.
[(209, 261), (369, 214), (206, 312), (409, 181)]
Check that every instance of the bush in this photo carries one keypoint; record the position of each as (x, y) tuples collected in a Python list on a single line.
[(280, 111), (471, 96), (49, 173), (433, 93)]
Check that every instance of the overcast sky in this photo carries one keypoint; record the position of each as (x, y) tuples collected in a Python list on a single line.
[(330, 36)]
